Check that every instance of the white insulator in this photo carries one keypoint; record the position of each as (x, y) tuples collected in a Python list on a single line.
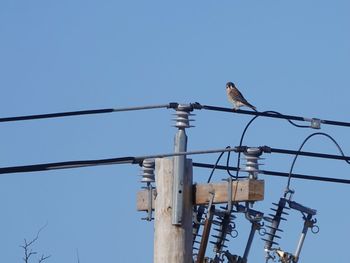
[(148, 171), (252, 162), (182, 114)]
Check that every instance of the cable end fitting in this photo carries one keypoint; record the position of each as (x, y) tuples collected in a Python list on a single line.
[(196, 106), (265, 149), (173, 105)]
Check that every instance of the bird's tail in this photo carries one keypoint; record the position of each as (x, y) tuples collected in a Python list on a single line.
[(251, 106)]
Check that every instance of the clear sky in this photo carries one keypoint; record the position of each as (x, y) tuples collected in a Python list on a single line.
[(288, 56)]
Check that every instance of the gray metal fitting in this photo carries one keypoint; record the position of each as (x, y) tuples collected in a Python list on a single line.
[(315, 123), (252, 157), (182, 116), (148, 171)]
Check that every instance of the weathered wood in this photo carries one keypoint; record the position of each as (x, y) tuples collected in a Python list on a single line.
[(247, 190), (172, 243), (243, 190)]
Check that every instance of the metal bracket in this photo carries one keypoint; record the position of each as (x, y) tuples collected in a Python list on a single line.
[(150, 193), (229, 195), (182, 122), (211, 200)]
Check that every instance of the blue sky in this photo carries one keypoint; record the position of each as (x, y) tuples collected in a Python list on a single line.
[(288, 56)]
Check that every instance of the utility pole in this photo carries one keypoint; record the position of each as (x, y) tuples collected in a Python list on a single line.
[(172, 243), (174, 196)]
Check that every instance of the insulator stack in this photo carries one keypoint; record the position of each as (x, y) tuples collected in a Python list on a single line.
[(182, 114), (224, 226), (275, 220), (148, 171), (252, 157), (148, 177)]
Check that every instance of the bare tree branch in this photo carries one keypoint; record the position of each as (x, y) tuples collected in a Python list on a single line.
[(28, 251), (43, 258)]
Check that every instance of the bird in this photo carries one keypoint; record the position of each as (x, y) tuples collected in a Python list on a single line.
[(235, 96)]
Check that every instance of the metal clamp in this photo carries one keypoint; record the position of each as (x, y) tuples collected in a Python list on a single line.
[(229, 195), (150, 192), (314, 123)]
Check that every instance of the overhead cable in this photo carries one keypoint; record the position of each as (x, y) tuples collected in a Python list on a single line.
[(274, 173), (64, 165), (85, 112), (173, 105), (109, 161), (139, 159), (278, 116), (245, 130), (311, 154), (302, 145)]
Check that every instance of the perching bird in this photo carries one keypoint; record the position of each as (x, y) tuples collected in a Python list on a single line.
[(235, 96)]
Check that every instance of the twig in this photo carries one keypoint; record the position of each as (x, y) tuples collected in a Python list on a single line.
[(28, 251)]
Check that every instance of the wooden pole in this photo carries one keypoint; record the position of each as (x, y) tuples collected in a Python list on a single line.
[(172, 243)]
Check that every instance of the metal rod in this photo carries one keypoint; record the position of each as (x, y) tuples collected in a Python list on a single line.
[(205, 235), (302, 238), (150, 199), (255, 226)]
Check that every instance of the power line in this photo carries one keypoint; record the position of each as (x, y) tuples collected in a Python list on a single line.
[(273, 115), (274, 173), (85, 112), (302, 145), (245, 130), (65, 165), (97, 162), (139, 159), (174, 105), (311, 154)]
